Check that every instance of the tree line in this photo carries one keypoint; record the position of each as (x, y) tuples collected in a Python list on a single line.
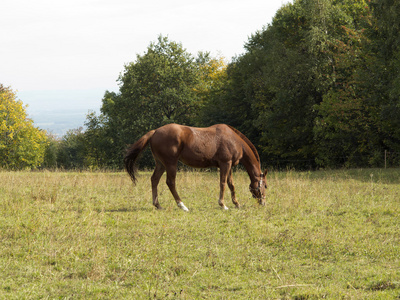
[(318, 87)]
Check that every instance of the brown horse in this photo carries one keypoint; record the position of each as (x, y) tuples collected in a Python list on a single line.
[(218, 146)]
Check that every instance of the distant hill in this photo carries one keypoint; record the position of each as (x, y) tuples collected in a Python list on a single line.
[(58, 122), (57, 111)]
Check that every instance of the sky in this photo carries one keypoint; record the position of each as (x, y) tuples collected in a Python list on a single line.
[(60, 54)]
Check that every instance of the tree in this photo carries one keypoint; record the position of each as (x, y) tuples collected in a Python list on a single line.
[(21, 144), (157, 89), (274, 85), (51, 153), (384, 76), (96, 142), (211, 89), (286, 88), (346, 130), (71, 153)]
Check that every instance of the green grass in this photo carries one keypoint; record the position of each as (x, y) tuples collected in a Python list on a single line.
[(325, 234)]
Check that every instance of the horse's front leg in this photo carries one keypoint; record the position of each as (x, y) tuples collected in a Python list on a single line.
[(232, 188), (224, 172), (171, 176)]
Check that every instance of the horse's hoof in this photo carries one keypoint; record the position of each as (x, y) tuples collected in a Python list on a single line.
[(182, 206), (225, 207)]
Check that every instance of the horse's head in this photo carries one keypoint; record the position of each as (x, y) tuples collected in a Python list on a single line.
[(258, 188)]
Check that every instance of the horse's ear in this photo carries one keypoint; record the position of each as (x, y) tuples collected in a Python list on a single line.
[(265, 172)]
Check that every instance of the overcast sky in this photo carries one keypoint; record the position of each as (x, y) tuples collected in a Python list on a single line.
[(83, 44)]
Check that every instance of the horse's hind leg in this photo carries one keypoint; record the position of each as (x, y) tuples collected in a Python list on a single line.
[(155, 179), (171, 176), (232, 188)]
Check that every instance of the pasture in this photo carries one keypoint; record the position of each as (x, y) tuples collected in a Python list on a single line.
[(92, 235)]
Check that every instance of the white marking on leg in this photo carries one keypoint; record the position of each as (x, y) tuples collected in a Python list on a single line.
[(222, 204), (182, 206)]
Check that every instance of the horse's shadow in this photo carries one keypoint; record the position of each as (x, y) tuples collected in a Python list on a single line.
[(127, 210)]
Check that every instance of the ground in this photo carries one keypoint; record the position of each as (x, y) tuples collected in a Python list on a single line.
[(92, 235)]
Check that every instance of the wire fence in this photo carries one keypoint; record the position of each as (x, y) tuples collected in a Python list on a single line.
[(391, 159), (385, 159)]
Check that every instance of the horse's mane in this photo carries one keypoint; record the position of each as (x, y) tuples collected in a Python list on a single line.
[(244, 138)]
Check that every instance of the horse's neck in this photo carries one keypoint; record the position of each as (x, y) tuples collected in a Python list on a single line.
[(251, 164)]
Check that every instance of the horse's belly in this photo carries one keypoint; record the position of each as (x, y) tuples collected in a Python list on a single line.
[(197, 161)]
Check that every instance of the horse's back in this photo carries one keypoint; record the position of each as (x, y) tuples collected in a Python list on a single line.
[(196, 147)]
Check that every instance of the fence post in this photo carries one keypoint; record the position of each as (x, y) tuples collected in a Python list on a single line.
[(385, 158)]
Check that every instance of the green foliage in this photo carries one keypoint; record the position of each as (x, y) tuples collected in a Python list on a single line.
[(277, 79), (21, 144), (156, 89), (97, 143), (303, 90), (71, 153), (385, 83), (346, 129), (210, 89), (51, 153)]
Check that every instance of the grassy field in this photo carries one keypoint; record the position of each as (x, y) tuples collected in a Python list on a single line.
[(325, 234)]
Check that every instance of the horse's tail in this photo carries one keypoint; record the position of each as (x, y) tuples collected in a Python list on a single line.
[(133, 153)]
